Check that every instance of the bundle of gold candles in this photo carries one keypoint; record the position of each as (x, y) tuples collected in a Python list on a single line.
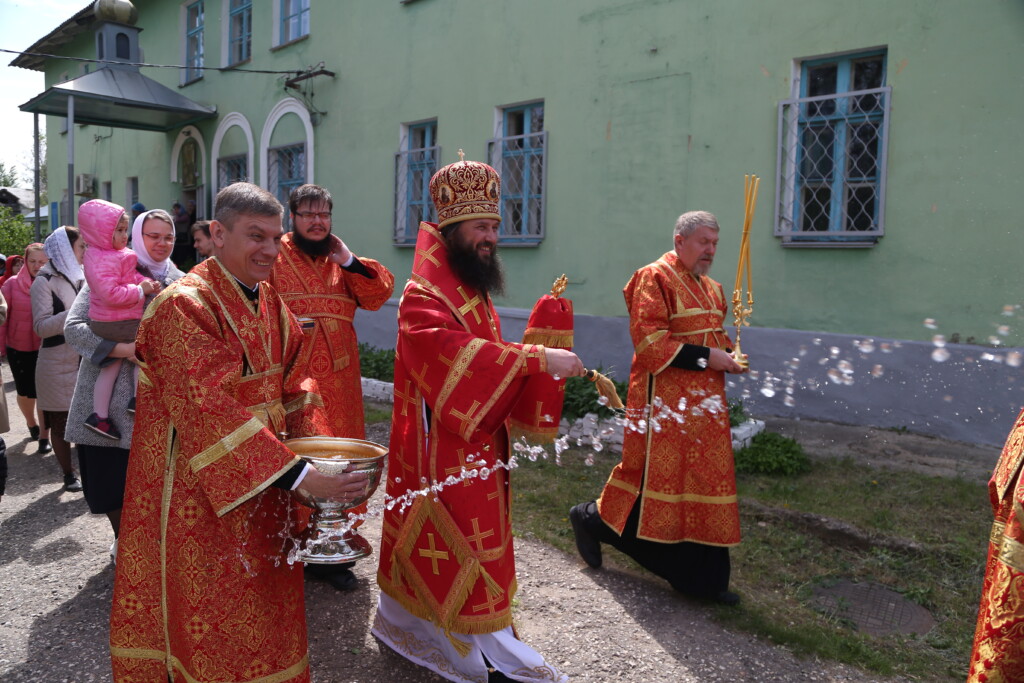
[(739, 312)]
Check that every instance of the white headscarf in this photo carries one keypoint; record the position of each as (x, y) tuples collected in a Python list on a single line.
[(157, 268), (62, 256)]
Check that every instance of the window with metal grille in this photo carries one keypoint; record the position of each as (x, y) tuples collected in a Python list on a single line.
[(287, 171), (294, 19), (415, 164), (240, 31), (232, 170), (194, 23), (519, 155), (833, 143)]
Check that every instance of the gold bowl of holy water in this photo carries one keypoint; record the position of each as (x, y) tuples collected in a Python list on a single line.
[(330, 539)]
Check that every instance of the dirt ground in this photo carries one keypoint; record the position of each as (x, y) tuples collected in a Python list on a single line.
[(56, 581)]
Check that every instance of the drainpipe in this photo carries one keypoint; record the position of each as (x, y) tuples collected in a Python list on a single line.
[(35, 122), (71, 160)]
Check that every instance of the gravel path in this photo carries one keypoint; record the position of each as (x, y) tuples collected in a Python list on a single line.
[(56, 580)]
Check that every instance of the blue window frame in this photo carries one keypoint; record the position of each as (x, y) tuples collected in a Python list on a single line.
[(232, 170), (415, 164), (833, 142), (287, 171), (521, 159), (294, 19), (194, 27), (239, 31)]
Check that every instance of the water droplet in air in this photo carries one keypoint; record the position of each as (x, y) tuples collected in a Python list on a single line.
[(939, 340), (940, 355), (1013, 359), (816, 341), (947, 398), (930, 324), (1008, 310), (988, 356), (877, 371), (995, 341), (767, 390), (833, 351), (845, 367), (789, 401), (702, 362), (867, 346), (1003, 330), (603, 400), (835, 375)]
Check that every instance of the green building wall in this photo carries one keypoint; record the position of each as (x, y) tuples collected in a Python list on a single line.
[(652, 108)]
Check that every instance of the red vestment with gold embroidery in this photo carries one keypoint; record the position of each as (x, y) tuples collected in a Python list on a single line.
[(448, 558), (998, 653), (683, 473), (203, 591), (322, 290)]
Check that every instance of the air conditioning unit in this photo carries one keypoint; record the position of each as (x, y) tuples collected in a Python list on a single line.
[(85, 184)]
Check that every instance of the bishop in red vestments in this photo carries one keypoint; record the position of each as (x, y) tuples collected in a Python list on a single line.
[(447, 569), (203, 590)]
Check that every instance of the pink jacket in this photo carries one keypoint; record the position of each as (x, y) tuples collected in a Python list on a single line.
[(114, 292), (18, 332)]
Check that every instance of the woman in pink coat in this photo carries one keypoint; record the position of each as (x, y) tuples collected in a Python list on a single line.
[(117, 295), (22, 343)]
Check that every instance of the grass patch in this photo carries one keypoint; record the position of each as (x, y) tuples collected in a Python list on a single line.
[(374, 412), (777, 565)]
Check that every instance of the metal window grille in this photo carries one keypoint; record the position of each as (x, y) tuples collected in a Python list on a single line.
[(232, 170), (831, 167), (287, 171), (194, 23), (294, 19), (240, 28), (521, 160), (413, 204)]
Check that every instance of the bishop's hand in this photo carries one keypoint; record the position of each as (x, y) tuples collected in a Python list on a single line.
[(563, 363)]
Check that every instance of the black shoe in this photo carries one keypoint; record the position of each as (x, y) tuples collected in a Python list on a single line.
[(33, 432), (340, 577), (71, 483), (588, 546), (727, 598), (131, 406), (44, 446)]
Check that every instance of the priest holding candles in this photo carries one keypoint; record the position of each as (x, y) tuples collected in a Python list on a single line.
[(671, 503)]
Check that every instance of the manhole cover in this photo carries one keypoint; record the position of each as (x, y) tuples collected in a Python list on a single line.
[(873, 609)]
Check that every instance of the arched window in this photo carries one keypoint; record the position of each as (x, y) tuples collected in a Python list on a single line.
[(122, 46)]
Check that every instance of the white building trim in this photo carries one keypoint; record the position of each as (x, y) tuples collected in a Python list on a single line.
[(288, 105), (183, 135), (232, 119)]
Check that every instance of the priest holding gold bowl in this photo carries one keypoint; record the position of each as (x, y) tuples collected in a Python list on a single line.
[(203, 588)]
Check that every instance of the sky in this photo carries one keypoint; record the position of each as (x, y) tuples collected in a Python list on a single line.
[(22, 23)]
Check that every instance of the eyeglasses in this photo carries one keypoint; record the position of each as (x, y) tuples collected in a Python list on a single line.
[(166, 239), (310, 215)]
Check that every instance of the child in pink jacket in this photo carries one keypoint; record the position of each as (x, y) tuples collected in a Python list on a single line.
[(117, 294)]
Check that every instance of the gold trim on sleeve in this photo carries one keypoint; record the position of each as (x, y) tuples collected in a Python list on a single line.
[(210, 455)]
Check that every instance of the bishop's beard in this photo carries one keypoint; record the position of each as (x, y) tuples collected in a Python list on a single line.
[(484, 275), (314, 248)]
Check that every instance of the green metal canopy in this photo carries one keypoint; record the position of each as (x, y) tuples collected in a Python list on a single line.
[(120, 98)]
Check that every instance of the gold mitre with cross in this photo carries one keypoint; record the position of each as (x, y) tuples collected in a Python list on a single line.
[(465, 190)]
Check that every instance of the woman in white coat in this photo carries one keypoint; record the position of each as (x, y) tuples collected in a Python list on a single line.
[(53, 291)]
